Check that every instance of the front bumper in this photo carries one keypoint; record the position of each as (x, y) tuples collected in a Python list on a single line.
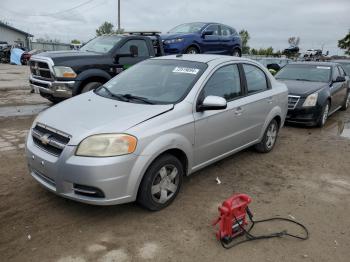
[(176, 48), (304, 115), (92, 180), (59, 89)]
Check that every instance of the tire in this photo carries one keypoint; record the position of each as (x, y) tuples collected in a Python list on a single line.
[(346, 103), (236, 52), (192, 50), (324, 115), (269, 139), (90, 86), (164, 176)]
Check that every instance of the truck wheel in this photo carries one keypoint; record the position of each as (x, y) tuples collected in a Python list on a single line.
[(90, 86), (161, 183), (346, 102), (236, 52), (269, 139), (192, 50)]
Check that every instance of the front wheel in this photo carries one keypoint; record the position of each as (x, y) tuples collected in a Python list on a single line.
[(346, 102), (192, 50), (269, 139), (324, 115), (161, 183), (90, 86)]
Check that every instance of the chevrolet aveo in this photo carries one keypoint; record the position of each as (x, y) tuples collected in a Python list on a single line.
[(135, 137)]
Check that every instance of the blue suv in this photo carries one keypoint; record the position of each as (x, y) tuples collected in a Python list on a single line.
[(199, 38)]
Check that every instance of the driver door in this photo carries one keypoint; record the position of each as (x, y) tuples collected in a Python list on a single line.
[(212, 43), (217, 132)]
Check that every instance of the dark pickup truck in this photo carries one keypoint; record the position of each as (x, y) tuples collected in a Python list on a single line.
[(61, 74)]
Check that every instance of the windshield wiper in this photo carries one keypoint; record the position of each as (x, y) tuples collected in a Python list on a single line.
[(119, 97), (301, 79), (139, 98)]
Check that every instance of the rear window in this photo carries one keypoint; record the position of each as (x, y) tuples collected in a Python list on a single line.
[(314, 73)]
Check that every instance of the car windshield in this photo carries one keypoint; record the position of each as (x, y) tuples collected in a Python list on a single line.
[(154, 82), (187, 28), (101, 44), (314, 73)]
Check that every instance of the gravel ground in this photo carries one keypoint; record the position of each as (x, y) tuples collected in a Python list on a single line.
[(306, 177)]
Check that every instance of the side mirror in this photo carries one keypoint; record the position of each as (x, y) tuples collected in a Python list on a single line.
[(134, 52), (339, 79), (207, 32), (212, 103)]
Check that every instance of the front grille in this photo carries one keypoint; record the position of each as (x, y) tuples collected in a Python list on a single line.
[(49, 139), (293, 101), (40, 70)]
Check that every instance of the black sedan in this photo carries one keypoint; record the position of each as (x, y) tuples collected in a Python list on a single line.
[(316, 90)]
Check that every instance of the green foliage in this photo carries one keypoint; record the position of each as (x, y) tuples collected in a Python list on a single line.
[(105, 28), (345, 43), (76, 42), (245, 38)]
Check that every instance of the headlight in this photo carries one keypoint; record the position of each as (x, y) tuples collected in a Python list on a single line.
[(311, 100), (63, 71), (173, 41), (105, 145)]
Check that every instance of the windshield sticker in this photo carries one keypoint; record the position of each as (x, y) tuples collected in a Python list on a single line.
[(186, 70), (323, 67)]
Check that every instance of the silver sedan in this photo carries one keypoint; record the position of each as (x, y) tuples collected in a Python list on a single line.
[(138, 135)]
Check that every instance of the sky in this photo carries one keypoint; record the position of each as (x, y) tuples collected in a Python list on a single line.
[(318, 23)]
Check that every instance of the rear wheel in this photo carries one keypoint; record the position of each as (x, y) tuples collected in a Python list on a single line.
[(324, 115), (192, 50), (269, 139), (236, 52), (90, 86), (161, 183)]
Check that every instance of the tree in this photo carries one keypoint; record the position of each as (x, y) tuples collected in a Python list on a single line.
[(345, 43), (75, 41), (245, 38), (254, 51), (105, 28), (294, 40)]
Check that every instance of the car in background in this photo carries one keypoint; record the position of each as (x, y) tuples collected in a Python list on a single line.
[(27, 55), (345, 63), (136, 136), (202, 38), (316, 90), (274, 64)]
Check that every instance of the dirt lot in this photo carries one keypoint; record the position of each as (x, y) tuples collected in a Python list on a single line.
[(306, 176)]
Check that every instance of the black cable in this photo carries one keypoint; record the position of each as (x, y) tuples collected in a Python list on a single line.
[(250, 237)]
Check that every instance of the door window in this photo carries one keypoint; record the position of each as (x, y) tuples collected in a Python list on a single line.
[(335, 73), (256, 79), (140, 44), (214, 28), (226, 31), (342, 72), (225, 82)]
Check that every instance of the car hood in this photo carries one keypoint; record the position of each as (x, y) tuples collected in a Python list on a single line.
[(69, 58), (89, 114), (303, 88), (173, 36)]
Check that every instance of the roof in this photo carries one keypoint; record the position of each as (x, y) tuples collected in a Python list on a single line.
[(15, 29), (344, 61), (203, 58), (314, 63)]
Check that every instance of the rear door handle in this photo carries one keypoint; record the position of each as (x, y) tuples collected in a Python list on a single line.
[(269, 100), (238, 111)]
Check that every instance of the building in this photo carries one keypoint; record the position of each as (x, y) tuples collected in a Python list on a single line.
[(14, 36)]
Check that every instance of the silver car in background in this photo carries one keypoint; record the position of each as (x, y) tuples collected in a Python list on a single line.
[(135, 137)]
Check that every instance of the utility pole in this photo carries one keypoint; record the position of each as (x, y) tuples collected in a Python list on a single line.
[(118, 16)]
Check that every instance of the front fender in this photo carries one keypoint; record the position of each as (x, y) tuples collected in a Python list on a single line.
[(151, 152)]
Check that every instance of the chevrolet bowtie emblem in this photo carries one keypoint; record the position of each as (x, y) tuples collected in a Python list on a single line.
[(45, 139)]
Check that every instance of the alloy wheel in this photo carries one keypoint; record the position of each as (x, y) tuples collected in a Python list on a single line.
[(165, 184), (271, 135)]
